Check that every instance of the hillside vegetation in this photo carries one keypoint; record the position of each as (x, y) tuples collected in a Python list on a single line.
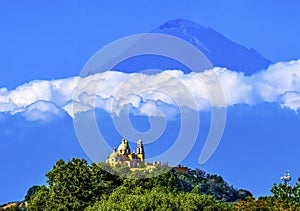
[(76, 185)]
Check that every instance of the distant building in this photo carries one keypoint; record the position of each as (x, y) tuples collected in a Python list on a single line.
[(181, 169), (135, 160), (123, 155)]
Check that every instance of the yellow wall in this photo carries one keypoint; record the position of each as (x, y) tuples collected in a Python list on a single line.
[(141, 156)]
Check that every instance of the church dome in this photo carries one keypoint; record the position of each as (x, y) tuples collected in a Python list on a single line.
[(123, 147), (114, 154)]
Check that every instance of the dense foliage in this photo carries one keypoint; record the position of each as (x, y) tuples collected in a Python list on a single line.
[(213, 185), (285, 197), (157, 199), (76, 185), (265, 204), (73, 186)]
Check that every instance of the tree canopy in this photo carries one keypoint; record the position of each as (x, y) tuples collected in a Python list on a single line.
[(76, 185)]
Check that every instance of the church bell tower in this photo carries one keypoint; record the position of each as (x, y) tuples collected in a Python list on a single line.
[(140, 150)]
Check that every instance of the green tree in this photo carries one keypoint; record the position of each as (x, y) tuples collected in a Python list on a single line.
[(286, 193), (122, 170), (39, 200), (285, 197), (264, 204), (30, 192), (158, 199), (73, 186)]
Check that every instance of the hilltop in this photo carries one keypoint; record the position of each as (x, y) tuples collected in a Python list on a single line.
[(76, 185)]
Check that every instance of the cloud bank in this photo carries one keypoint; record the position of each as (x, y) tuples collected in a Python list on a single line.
[(168, 92)]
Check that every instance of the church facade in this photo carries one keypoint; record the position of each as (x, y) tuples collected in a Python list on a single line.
[(123, 155)]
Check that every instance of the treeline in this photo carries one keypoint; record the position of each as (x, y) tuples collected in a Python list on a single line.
[(76, 185)]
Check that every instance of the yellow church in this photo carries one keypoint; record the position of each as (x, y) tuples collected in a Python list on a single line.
[(123, 155)]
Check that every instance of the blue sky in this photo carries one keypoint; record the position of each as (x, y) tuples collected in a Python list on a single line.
[(50, 41)]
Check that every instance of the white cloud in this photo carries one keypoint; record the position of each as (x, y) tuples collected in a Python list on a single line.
[(290, 100), (279, 78), (237, 87), (165, 92), (41, 110)]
